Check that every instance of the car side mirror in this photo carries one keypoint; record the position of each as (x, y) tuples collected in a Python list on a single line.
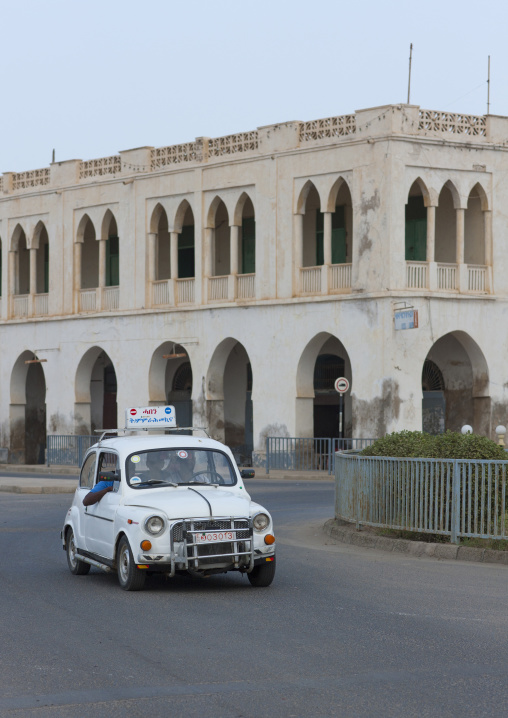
[(247, 473)]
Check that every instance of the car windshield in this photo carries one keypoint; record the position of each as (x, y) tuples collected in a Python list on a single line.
[(166, 467)]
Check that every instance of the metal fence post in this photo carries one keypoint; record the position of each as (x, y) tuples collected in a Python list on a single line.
[(455, 517), (267, 455)]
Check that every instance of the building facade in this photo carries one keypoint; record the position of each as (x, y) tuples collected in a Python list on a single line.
[(237, 277)]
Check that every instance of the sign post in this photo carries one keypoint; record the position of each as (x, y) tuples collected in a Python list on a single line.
[(341, 386)]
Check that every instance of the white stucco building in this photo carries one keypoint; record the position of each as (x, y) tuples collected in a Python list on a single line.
[(238, 276)]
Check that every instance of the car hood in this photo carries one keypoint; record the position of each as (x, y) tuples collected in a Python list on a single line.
[(184, 502)]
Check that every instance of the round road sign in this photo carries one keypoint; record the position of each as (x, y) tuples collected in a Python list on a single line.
[(341, 385)]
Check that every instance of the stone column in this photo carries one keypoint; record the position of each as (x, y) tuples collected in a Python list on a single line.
[(174, 254), (152, 253), (234, 234), (327, 251), (487, 234), (459, 252), (33, 280), (102, 273), (431, 247), (207, 262), (487, 238), (78, 255), (297, 251), (12, 281), (151, 269), (462, 280)]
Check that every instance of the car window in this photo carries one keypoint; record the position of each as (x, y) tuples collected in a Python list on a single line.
[(87, 475), (147, 469)]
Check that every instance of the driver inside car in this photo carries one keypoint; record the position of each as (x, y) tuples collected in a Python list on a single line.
[(155, 462), (181, 467)]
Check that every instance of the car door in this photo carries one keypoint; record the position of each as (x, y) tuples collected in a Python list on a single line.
[(100, 517), (86, 482)]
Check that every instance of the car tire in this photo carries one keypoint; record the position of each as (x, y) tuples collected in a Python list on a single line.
[(130, 577), (262, 576), (77, 567)]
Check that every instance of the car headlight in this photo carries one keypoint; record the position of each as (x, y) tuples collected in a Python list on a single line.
[(155, 525), (260, 522)]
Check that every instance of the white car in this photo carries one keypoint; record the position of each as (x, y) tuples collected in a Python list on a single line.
[(172, 504)]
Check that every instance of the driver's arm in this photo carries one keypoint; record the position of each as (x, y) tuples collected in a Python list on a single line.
[(94, 497)]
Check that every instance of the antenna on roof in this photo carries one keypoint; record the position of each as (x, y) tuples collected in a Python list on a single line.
[(409, 80), (488, 89)]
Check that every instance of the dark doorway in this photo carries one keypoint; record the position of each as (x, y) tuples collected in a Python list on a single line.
[(433, 402), (109, 412), (327, 369), (35, 415)]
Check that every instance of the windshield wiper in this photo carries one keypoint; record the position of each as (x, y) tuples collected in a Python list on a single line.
[(202, 483), (156, 482)]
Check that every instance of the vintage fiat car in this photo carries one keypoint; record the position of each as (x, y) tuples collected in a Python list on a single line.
[(177, 504)]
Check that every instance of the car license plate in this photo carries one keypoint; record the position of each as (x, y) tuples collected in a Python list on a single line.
[(215, 536)]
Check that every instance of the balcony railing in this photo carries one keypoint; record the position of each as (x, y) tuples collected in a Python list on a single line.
[(340, 277), (246, 287), (447, 277), (327, 127), (40, 304), (310, 280), (452, 123), (161, 293), (218, 288), (416, 275), (111, 298), (21, 305), (88, 300), (477, 278), (185, 290)]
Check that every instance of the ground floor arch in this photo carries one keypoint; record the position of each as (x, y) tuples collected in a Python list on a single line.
[(323, 360), (229, 399), (455, 386), (96, 393), (170, 380), (28, 411)]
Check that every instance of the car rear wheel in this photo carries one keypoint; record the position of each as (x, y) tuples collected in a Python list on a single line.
[(77, 567), (130, 577), (262, 576)]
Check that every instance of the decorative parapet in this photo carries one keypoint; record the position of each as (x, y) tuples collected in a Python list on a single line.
[(176, 154), (328, 127), (32, 178), (99, 168), (231, 144), (452, 123)]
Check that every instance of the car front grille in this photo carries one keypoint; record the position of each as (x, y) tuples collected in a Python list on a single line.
[(241, 526), (220, 553)]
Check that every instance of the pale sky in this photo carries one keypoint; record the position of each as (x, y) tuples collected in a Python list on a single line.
[(93, 78)]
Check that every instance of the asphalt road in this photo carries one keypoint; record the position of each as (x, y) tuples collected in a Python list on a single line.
[(342, 631)]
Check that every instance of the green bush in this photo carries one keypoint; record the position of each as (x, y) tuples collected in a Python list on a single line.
[(451, 445)]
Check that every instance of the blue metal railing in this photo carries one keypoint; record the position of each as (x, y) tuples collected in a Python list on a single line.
[(307, 454), (452, 497), (68, 450)]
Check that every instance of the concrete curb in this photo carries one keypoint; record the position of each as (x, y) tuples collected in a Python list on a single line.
[(347, 533), (37, 486), (38, 469)]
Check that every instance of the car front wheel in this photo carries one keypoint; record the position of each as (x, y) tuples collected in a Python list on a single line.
[(262, 576), (77, 567), (130, 577)]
